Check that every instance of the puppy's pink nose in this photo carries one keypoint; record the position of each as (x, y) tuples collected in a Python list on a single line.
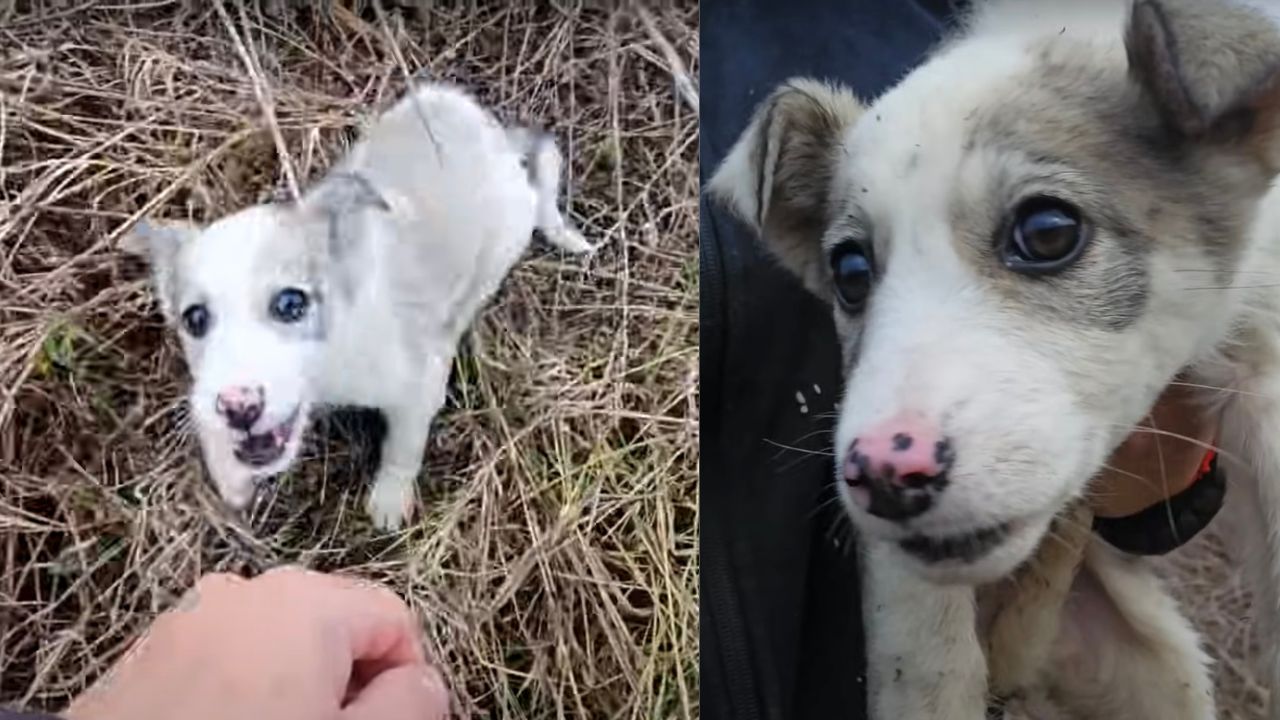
[(240, 405), (897, 467)]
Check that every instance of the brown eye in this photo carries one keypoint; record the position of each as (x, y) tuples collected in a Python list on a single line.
[(1046, 236)]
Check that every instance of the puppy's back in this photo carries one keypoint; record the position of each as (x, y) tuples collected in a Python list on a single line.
[(437, 148)]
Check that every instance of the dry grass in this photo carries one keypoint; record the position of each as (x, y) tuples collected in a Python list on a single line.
[(555, 563), (1203, 578)]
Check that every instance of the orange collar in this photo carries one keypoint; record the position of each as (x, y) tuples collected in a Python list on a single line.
[(1207, 465)]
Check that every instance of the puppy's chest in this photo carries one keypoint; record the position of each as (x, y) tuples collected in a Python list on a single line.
[(365, 362), (368, 378)]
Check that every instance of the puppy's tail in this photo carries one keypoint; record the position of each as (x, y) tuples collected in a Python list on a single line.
[(543, 163)]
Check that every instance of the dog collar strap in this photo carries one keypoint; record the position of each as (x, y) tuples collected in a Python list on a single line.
[(1172, 523)]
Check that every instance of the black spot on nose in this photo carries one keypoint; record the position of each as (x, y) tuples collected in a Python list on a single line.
[(902, 441), (944, 454), (896, 503), (244, 416), (863, 465), (888, 472), (891, 496)]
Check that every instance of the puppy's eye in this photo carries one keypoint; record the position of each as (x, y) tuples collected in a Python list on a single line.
[(289, 305), (1047, 235), (851, 269), (195, 319)]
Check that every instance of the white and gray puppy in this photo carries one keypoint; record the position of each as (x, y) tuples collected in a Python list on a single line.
[(1023, 243), (359, 293)]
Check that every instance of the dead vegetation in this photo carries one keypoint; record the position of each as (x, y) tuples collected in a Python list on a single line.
[(554, 565), (1209, 589)]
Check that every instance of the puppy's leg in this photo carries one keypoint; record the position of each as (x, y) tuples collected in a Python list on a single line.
[(1024, 611), (924, 659), (394, 491), (545, 166), (1124, 649)]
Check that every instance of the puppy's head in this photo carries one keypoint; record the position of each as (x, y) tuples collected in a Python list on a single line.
[(253, 297), (1018, 244)]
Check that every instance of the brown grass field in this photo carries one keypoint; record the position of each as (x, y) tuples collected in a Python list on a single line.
[(554, 562), (1201, 576)]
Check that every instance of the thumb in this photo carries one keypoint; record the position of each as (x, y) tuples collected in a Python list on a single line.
[(408, 692)]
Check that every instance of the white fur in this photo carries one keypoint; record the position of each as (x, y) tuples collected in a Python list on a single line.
[(397, 268), (938, 343), (939, 340)]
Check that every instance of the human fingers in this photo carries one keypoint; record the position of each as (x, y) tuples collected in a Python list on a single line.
[(408, 692), (379, 629)]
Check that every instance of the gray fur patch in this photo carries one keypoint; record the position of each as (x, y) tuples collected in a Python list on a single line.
[(343, 278), (346, 191), (914, 161), (161, 242), (341, 200), (1086, 133), (295, 261), (1201, 60), (803, 125), (529, 141)]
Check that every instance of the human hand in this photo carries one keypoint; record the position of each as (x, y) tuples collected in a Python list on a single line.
[(287, 645), (1152, 466)]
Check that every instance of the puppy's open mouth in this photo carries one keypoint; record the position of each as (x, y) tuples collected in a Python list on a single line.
[(264, 448), (967, 547)]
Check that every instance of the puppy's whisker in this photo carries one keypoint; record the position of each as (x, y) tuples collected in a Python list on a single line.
[(1164, 471), (804, 451), (1217, 271), (1132, 475), (1234, 287), (1216, 388), (824, 505), (1178, 436), (840, 529), (814, 433)]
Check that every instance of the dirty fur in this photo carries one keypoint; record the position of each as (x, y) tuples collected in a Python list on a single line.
[(1155, 121), (395, 251)]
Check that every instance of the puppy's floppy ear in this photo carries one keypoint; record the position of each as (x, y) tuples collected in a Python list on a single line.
[(338, 200), (343, 192), (159, 241), (1212, 68), (778, 176)]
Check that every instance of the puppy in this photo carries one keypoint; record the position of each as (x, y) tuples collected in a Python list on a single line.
[(357, 294), (1023, 243)]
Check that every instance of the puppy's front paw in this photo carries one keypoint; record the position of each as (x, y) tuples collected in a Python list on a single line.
[(568, 238), (391, 500)]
